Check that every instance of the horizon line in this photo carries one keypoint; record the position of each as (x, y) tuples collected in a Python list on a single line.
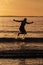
[(19, 16)]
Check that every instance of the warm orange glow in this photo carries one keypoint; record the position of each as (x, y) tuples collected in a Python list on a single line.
[(21, 7)]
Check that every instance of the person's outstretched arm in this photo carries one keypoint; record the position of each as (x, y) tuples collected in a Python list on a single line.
[(17, 20), (29, 22)]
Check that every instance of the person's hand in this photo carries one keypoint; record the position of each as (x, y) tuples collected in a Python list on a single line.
[(32, 21), (13, 19)]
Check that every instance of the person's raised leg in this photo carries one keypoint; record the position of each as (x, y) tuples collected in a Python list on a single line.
[(19, 33)]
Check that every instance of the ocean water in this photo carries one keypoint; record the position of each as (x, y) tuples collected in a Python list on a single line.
[(10, 29)]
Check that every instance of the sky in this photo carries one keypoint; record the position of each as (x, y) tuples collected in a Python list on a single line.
[(21, 7)]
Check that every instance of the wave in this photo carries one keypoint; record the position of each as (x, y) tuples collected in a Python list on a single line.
[(18, 31), (27, 39), (21, 54)]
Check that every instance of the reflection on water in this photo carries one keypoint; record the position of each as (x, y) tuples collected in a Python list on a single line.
[(15, 46), (21, 45)]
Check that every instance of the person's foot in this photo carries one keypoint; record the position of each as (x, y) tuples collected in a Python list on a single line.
[(18, 34)]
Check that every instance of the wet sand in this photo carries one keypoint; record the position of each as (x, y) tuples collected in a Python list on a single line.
[(37, 61)]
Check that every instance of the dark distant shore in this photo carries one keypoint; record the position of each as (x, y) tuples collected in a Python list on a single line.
[(32, 40)]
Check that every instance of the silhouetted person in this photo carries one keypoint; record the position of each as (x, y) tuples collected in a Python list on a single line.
[(22, 26)]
